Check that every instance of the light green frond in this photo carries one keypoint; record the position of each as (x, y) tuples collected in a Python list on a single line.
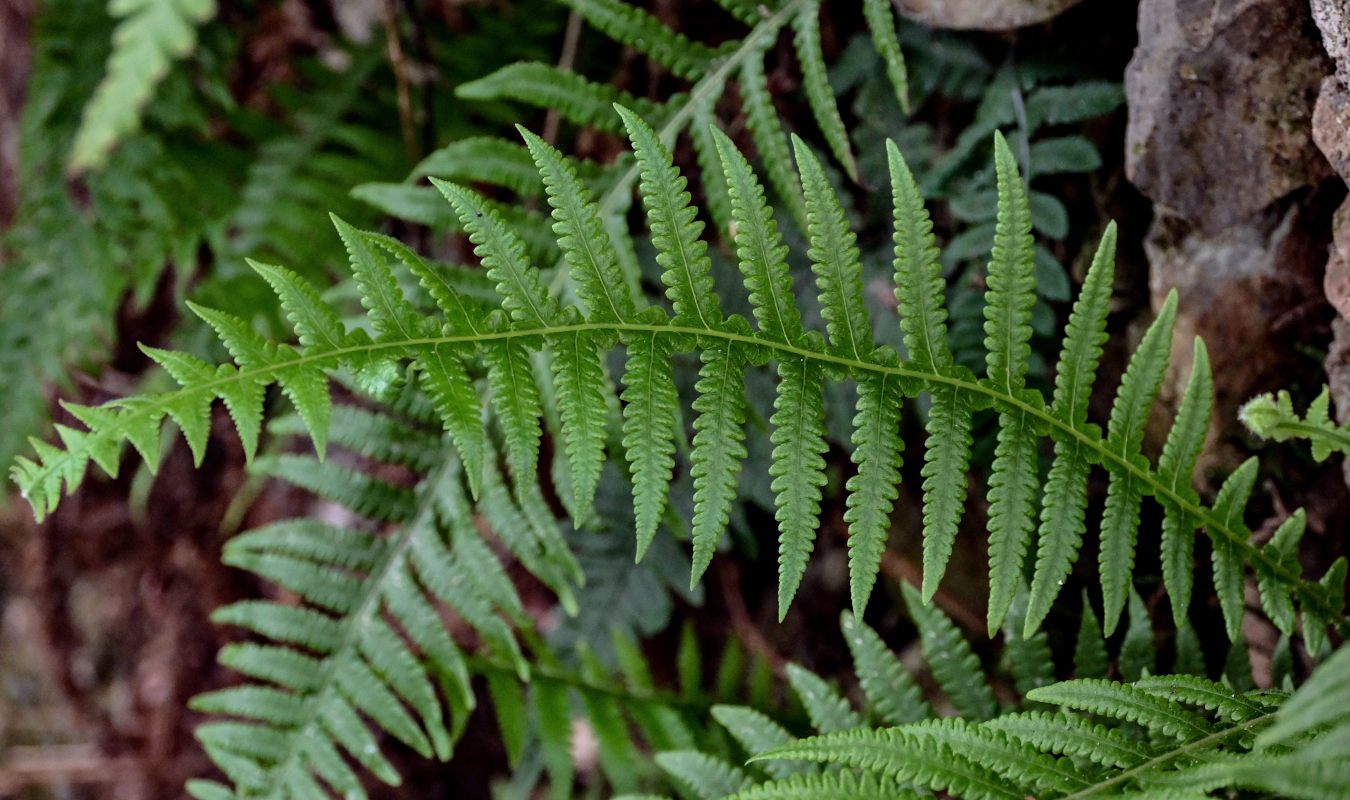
[(757, 733), (1197, 691), (945, 458), (366, 495), (1125, 702), (918, 273), (1323, 700), (389, 311), (1125, 434), (637, 28), (582, 386), (1273, 417), (1071, 735), (581, 235), (524, 296), (1089, 654), (1063, 508), (828, 710), (314, 322), (1013, 486), (1228, 573), (577, 99), (872, 491), (149, 36), (759, 247), (515, 396), (816, 84), (1007, 310), (1137, 655), (881, 21), (798, 468), (858, 786), (452, 391), (771, 141), (951, 660), (461, 315), (718, 449), (675, 229), (834, 260), (483, 159), (891, 693), (1175, 466), (650, 403), (701, 775), (1283, 550)]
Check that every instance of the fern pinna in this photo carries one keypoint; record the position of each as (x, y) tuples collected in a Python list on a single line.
[(367, 668)]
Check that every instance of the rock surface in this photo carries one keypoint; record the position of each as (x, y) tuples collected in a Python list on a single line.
[(1331, 125), (1333, 19), (987, 15), (1221, 95)]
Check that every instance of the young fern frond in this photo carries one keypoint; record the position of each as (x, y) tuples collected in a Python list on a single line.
[(531, 329)]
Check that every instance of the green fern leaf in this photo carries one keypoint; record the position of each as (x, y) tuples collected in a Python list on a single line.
[(1137, 656), (483, 159), (1027, 657), (191, 410), (390, 312), (951, 660), (1283, 550), (243, 398), (1125, 702), (618, 754), (314, 321), (1074, 736), (456, 399), (524, 296), (881, 22), (923, 754), (675, 229), (1321, 701), (1175, 466), (946, 456), (366, 495), (756, 734), (1064, 506), (763, 257), (1125, 435), (864, 786), (918, 273), (716, 200), (1089, 655), (828, 710), (775, 152), (834, 259), (701, 775), (581, 235), (581, 386), (149, 36), (716, 458), (1274, 418), (577, 99), (461, 316), (1011, 294), (816, 84), (798, 469), (1013, 486), (637, 28), (515, 396), (1196, 691), (650, 403), (891, 693), (1228, 575), (872, 491)]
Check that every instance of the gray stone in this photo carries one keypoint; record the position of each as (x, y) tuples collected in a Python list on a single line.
[(1220, 96), (987, 15), (1331, 125), (1333, 19)]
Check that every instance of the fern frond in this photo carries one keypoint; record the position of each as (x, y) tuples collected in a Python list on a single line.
[(1064, 507), (1137, 656), (1124, 702), (763, 257), (1175, 466), (798, 468), (581, 236), (816, 85), (775, 151), (577, 99), (582, 386), (1283, 550), (1125, 436), (633, 26), (650, 403), (1273, 417), (1206, 694), (828, 710), (703, 776), (1070, 735), (1228, 574), (918, 273), (951, 660), (757, 733), (149, 36), (891, 693), (675, 229), (862, 786), (834, 260), (881, 22), (718, 451), (872, 491)]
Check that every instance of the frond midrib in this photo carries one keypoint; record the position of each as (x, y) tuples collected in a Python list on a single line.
[(1116, 462)]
